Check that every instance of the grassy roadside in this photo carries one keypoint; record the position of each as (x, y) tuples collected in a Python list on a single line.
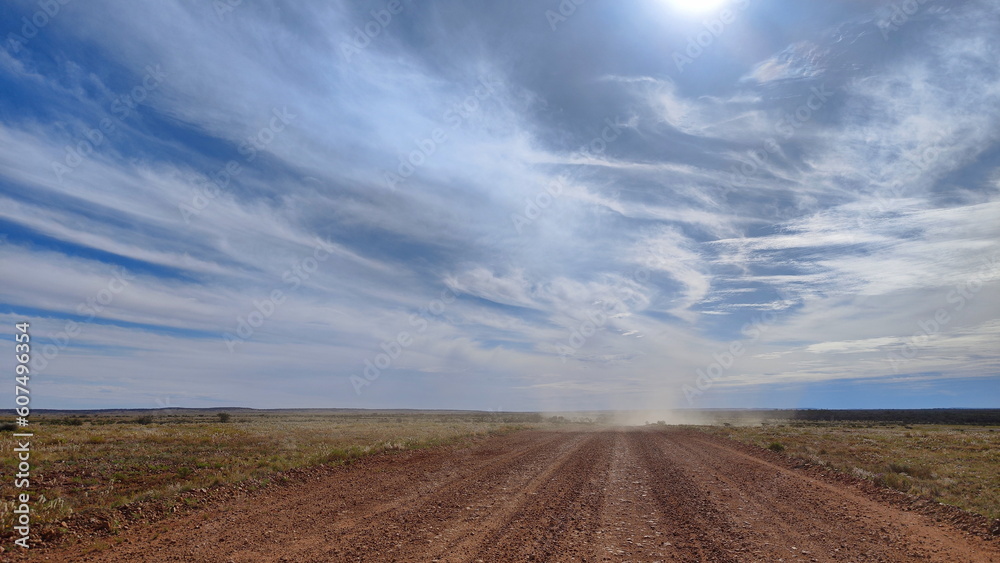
[(956, 465), (96, 462)]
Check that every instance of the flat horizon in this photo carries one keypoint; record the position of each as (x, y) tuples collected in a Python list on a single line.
[(535, 207)]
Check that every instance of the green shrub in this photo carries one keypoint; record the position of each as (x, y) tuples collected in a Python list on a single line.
[(911, 470), (896, 481), (776, 447)]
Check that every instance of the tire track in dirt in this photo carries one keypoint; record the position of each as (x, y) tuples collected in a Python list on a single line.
[(631, 519), (737, 493), (789, 514), (794, 515), (422, 518), (694, 528), (322, 508), (554, 515)]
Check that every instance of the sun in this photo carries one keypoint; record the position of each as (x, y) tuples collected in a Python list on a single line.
[(697, 6)]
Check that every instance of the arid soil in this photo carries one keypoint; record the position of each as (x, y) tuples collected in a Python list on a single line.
[(638, 494)]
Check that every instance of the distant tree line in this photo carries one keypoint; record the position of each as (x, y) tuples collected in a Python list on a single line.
[(897, 416)]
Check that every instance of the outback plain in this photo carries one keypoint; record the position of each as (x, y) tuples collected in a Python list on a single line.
[(349, 485)]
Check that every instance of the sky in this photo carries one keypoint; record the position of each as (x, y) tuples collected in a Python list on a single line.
[(523, 205)]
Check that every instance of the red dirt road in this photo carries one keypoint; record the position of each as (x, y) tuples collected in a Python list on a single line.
[(616, 495)]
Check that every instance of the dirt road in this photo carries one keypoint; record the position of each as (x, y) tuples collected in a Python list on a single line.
[(617, 495)]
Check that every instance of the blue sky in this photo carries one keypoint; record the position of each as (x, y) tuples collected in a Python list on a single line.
[(517, 205)]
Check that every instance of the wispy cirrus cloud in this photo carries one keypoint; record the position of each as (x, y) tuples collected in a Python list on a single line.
[(858, 218)]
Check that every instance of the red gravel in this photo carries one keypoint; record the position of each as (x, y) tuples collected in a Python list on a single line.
[(635, 494)]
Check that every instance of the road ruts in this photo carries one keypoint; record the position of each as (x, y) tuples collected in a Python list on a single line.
[(633, 525), (790, 515), (624, 494)]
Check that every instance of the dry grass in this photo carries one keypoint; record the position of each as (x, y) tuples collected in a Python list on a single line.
[(956, 465), (102, 461)]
